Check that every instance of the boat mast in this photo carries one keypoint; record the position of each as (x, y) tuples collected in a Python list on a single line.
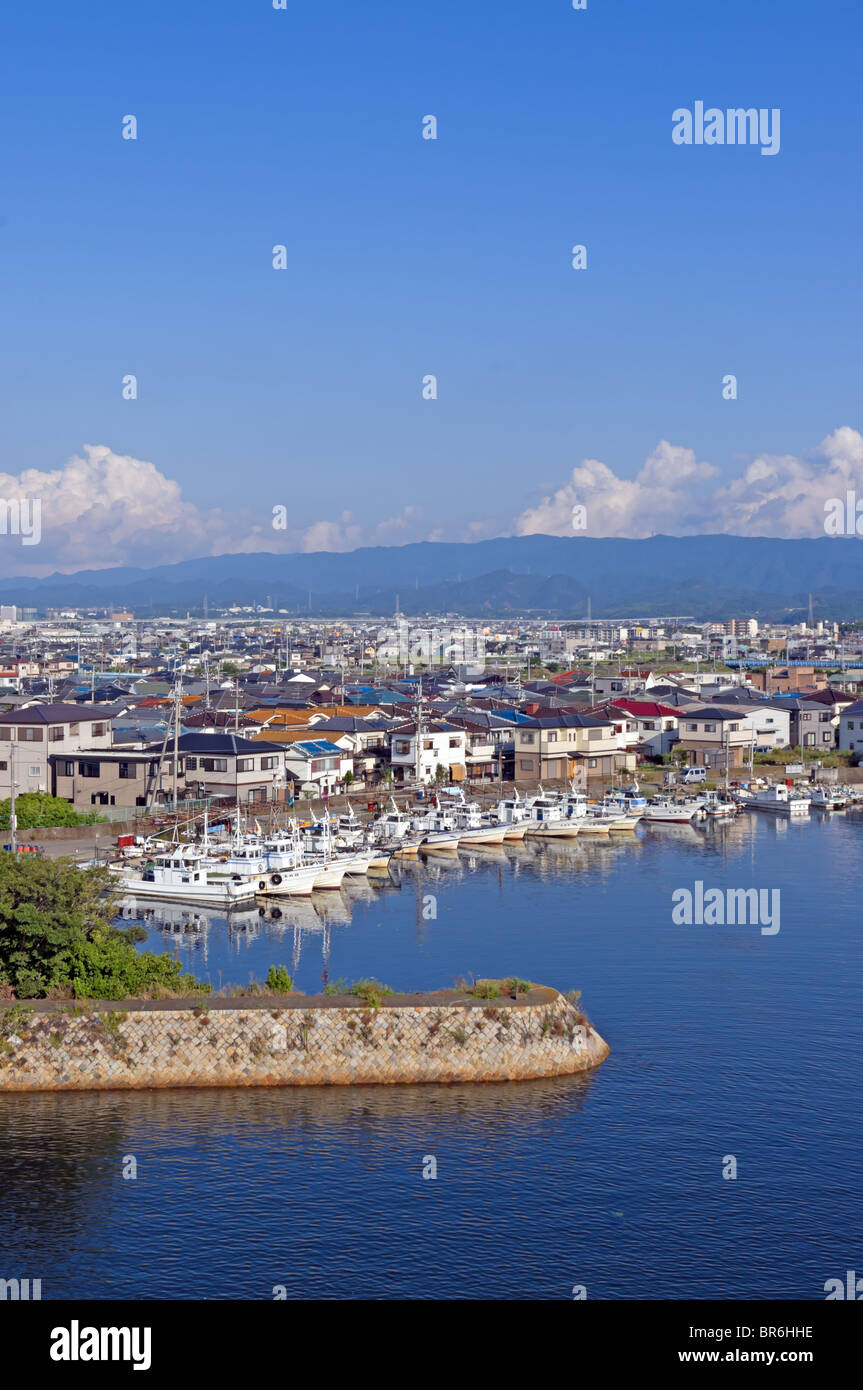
[(419, 758), (178, 697)]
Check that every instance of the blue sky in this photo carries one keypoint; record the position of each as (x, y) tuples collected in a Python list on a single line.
[(406, 257)]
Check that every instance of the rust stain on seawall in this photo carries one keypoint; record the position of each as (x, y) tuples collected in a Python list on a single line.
[(293, 1041)]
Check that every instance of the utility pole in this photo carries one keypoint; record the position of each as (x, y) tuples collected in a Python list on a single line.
[(419, 759), (178, 704), (13, 824)]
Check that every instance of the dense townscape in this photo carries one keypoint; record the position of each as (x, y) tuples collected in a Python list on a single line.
[(119, 717)]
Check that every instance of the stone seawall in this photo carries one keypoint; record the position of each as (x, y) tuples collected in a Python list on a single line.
[(292, 1041)]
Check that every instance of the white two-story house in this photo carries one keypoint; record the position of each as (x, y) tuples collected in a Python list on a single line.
[(443, 745)]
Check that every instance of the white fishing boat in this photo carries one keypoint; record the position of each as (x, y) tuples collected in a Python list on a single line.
[(180, 874), (296, 882), (513, 815), (470, 823), (665, 811), (548, 820), (627, 799), (361, 859), (827, 799), (439, 833), (395, 830), (779, 800)]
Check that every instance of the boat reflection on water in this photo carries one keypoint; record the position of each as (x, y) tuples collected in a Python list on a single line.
[(187, 930)]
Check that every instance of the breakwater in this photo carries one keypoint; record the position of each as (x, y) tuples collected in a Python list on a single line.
[(293, 1040)]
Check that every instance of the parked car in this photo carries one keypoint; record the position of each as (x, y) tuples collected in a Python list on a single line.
[(693, 774)]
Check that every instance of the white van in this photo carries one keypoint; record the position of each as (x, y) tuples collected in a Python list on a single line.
[(693, 774)]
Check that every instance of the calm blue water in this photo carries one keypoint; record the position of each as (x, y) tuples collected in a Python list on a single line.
[(724, 1042)]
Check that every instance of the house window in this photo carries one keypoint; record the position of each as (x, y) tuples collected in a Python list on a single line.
[(245, 764), (66, 769), (34, 770), (56, 733), (31, 735), (527, 738), (268, 763), (214, 765), (526, 764), (454, 743), (74, 729), (551, 738), (710, 728), (6, 735), (128, 770), (98, 730), (88, 769), (3, 767), (402, 748), (192, 764), (734, 728), (591, 762), (692, 728), (827, 738)]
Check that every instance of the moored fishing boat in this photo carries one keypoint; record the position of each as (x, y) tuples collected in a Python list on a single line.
[(179, 873)]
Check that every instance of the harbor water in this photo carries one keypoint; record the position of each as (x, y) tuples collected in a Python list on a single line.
[(734, 1050)]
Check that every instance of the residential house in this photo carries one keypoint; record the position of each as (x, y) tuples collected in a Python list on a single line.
[(851, 729), (563, 746), (120, 777), (229, 765), (31, 733), (443, 745), (712, 736), (318, 765), (656, 724)]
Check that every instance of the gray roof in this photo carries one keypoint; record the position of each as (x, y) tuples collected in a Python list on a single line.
[(54, 714)]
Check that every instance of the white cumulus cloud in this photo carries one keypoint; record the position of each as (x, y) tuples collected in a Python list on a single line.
[(778, 495)]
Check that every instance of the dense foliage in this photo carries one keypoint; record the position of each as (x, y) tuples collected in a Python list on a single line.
[(38, 808), (56, 938)]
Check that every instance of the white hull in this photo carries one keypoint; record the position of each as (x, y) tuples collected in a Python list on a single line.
[(214, 894), (407, 849), (515, 832), (380, 859), (441, 842), (361, 861), (555, 830), (481, 835), (330, 875), (292, 883)]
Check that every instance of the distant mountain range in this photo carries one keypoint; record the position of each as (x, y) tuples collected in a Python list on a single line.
[(705, 577)]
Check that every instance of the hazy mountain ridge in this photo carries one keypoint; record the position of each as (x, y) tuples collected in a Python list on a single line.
[(705, 576)]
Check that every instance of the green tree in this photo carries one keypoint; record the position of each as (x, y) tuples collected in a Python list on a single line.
[(56, 937), (38, 808)]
